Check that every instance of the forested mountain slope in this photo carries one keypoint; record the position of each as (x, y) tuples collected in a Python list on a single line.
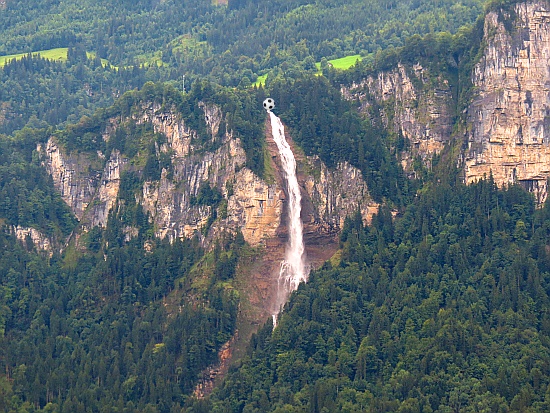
[(164, 211), (230, 45), (444, 310), (156, 211), (124, 31)]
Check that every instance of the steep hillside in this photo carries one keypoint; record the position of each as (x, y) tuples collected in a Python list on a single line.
[(484, 90), (509, 116), (444, 307), (230, 43), (141, 243), (173, 218)]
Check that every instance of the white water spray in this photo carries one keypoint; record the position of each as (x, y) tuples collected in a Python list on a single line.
[(293, 269)]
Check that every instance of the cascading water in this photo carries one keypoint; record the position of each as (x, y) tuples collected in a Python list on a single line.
[(293, 269)]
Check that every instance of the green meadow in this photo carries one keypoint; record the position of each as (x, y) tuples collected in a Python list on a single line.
[(342, 63), (260, 81), (52, 54)]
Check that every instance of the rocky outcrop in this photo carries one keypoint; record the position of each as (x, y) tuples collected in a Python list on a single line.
[(72, 176), (510, 115), (169, 200), (213, 118), (90, 184), (256, 204), (412, 103), (89, 191), (252, 206), (107, 191), (336, 194), (179, 135), (39, 241)]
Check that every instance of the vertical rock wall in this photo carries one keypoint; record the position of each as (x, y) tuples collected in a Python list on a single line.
[(90, 185), (336, 194), (39, 241), (510, 115), (72, 176), (107, 191), (413, 103)]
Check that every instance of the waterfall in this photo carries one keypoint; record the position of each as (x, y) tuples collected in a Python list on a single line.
[(293, 269)]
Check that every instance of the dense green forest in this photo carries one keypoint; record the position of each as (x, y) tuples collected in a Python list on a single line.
[(27, 196), (36, 92), (444, 309), (110, 322), (109, 329), (124, 32), (230, 45), (439, 305)]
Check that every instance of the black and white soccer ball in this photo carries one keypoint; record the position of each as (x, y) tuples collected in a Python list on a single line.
[(269, 104)]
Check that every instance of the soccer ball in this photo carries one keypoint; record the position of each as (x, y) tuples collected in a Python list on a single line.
[(269, 104)]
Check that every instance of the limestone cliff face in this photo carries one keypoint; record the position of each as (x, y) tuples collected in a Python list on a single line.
[(179, 136), (39, 241), (412, 103), (169, 200), (90, 184), (510, 115), (251, 205), (72, 176), (107, 190), (88, 190), (256, 204), (336, 194)]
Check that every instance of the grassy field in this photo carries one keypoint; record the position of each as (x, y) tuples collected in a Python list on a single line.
[(104, 62), (343, 63), (260, 81), (52, 54)]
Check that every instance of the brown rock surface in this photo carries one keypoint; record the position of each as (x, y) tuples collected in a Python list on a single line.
[(413, 103), (510, 115), (40, 241)]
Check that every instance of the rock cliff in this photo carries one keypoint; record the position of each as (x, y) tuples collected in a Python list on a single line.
[(507, 123), (72, 176), (39, 241), (89, 184), (245, 202), (336, 194), (510, 115), (412, 103)]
